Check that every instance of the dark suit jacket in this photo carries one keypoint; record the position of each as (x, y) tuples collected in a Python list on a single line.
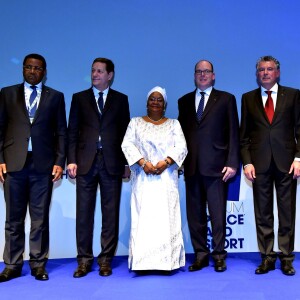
[(85, 126), (260, 140), (213, 142), (48, 131)]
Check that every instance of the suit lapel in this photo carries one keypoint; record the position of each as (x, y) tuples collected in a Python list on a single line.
[(190, 105), (213, 97), (109, 100), (259, 105), (92, 102), (43, 101), (279, 102), (21, 102), (107, 104)]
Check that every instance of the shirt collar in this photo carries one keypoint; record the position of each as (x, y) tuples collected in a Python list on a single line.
[(96, 92), (207, 91), (273, 89), (39, 85)]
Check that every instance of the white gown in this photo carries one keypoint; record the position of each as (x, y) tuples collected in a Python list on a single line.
[(156, 241)]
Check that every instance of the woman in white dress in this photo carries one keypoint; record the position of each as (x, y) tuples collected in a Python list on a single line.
[(155, 148)]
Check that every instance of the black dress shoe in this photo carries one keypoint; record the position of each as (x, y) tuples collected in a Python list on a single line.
[(199, 264), (287, 268), (82, 270), (8, 274), (40, 273), (265, 266), (105, 269), (220, 265)]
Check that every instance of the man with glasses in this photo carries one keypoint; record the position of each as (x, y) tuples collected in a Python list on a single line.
[(33, 138), (270, 150), (209, 120)]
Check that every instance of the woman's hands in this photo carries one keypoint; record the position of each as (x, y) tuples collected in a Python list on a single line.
[(148, 167)]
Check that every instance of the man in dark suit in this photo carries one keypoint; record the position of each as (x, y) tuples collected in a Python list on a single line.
[(209, 121), (33, 137), (98, 120), (270, 153)]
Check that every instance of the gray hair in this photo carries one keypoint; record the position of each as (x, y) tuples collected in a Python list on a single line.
[(268, 58)]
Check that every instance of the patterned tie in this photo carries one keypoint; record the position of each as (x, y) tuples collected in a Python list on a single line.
[(100, 102), (269, 107), (31, 100), (200, 106)]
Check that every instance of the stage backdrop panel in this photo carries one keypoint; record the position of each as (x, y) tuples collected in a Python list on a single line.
[(240, 230), (152, 43)]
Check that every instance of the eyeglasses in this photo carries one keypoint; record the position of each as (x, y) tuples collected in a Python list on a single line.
[(159, 100), (34, 68), (204, 72)]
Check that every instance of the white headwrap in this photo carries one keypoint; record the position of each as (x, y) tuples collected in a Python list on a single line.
[(161, 90)]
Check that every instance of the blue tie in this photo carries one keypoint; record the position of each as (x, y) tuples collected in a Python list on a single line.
[(200, 106), (100, 102), (100, 105), (31, 99)]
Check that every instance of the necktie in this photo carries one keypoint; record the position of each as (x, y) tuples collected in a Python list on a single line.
[(100, 102), (200, 106), (269, 107), (100, 105), (31, 100)]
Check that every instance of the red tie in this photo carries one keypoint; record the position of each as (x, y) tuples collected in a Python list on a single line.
[(269, 107)]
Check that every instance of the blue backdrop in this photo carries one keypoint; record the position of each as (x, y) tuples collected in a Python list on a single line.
[(151, 43)]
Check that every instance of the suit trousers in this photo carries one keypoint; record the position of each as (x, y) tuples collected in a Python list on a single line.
[(263, 193), (202, 192), (86, 191), (22, 189)]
